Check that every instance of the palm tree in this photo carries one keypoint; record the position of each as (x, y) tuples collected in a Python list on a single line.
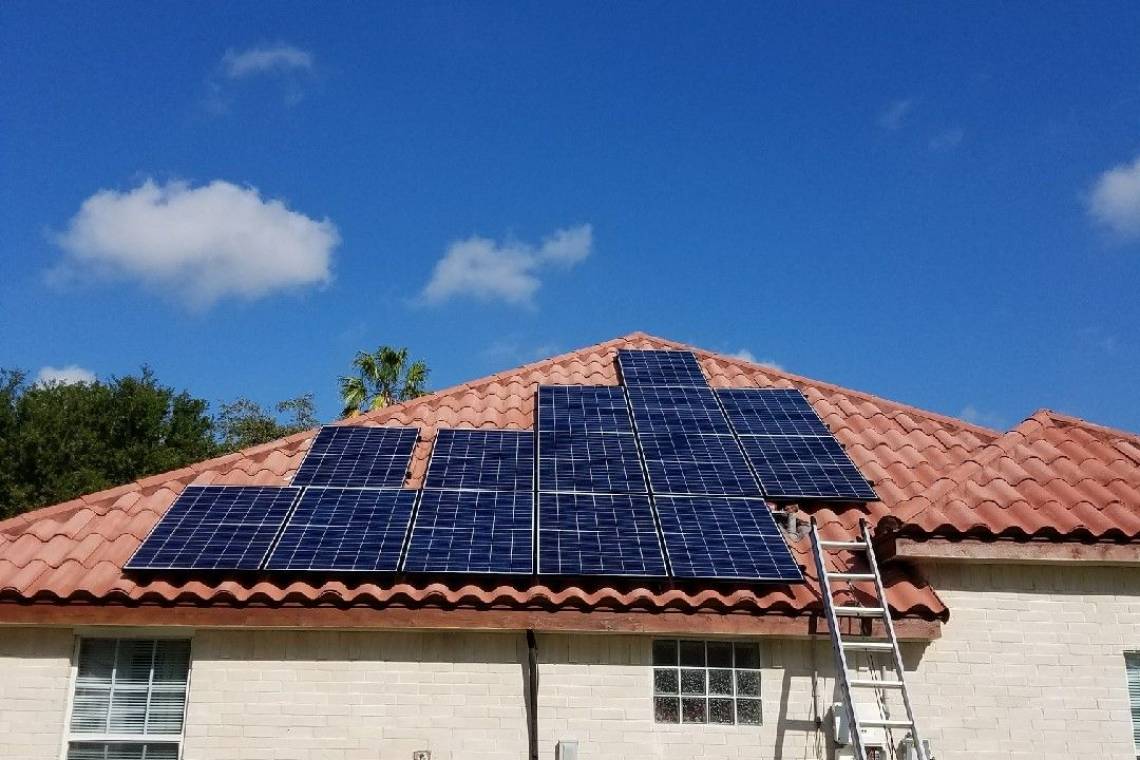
[(383, 377)]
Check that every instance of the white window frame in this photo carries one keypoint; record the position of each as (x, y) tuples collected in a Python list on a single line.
[(118, 634), (1132, 660), (735, 696)]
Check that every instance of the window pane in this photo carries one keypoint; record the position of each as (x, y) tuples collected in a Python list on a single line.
[(693, 711), (665, 680), (121, 751), (748, 712), (171, 663), (747, 656), (96, 663), (720, 654), (166, 711), (693, 681), (128, 711), (665, 652), (720, 711), (720, 682), (132, 667), (748, 683), (666, 710), (89, 710), (693, 653)]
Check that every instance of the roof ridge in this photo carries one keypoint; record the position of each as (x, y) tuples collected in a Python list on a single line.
[(865, 395), (1071, 419)]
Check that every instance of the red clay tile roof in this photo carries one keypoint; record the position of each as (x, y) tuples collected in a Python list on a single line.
[(74, 552), (1051, 477)]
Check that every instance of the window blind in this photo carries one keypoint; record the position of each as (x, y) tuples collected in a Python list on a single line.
[(1132, 665)]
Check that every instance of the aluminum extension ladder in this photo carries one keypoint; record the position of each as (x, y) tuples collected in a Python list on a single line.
[(842, 645)]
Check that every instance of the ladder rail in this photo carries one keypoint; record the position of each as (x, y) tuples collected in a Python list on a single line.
[(900, 671), (836, 644)]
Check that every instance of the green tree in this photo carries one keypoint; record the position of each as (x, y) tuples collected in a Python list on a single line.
[(243, 422), (382, 377), (60, 441)]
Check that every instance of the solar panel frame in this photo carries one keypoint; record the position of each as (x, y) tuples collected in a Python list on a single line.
[(771, 411), (660, 367), (724, 538), (481, 460), (233, 525), (583, 409), (677, 409), (358, 456), (346, 530), (598, 534), (792, 467), (590, 462), (681, 463), (472, 532)]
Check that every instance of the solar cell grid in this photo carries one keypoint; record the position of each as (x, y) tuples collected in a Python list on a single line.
[(660, 368), (582, 409), (719, 537), (598, 462), (345, 529), (771, 411), (670, 409), (808, 467), (472, 532), (216, 528), (493, 460), (598, 534), (682, 463), (356, 456)]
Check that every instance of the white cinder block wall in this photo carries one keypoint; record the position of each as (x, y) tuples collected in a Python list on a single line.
[(1030, 666)]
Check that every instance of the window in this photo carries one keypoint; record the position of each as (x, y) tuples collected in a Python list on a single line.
[(130, 699), (1132, 665), (706, 682)]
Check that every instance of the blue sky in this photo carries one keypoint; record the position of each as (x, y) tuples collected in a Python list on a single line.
[(938, 205)]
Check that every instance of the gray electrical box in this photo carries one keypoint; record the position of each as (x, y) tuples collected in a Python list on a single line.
[(567, 750)]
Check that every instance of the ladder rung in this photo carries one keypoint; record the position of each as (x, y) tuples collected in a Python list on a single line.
[(851, 576), (872, 683), (842, 545), (884, 723), (868, 646), (860, 611)]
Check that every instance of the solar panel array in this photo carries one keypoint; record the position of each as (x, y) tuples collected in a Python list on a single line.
[(792, 452), (353, 456), (594, 513), (476, 511), (661, 476), (216, 528)]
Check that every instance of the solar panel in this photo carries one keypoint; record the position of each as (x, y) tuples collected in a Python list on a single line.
[(658, 409), (354, 456), (809, 468), (582, 409), (597, 534), (771, 411), (729, 538), (660, 368), (598, 462), (490, 460), (682, 463), (472, 532), (216, 528), (345, 529)]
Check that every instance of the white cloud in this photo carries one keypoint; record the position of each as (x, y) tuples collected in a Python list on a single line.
[(267, 59), (197, 243), (68, 375), (1115, 200), (893, 116), (508, 271), (745, 355), (972, 414), (947, 139)]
